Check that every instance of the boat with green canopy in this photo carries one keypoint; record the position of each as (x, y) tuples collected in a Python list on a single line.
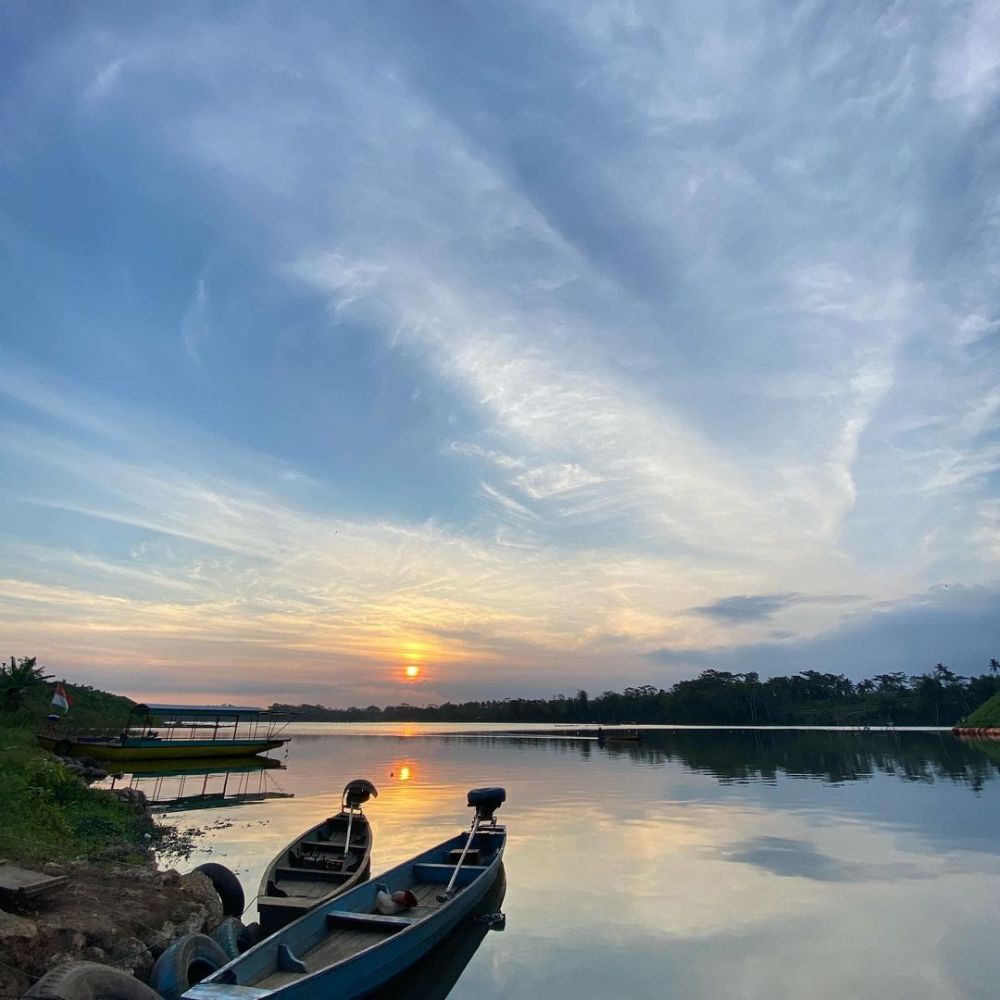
[(157, 732)]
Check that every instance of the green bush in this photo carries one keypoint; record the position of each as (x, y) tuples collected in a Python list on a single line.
[(49, 814), (34, 823), (50, 781), (100, 818)]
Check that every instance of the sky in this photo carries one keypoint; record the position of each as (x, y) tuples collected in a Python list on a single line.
[(538, 345)]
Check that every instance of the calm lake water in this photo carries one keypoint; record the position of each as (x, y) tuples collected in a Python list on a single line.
[(699, 864)]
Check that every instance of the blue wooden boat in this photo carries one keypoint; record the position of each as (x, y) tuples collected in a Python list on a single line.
[(347, 947)]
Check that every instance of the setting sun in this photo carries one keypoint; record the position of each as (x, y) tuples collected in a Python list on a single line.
[(413, 670)]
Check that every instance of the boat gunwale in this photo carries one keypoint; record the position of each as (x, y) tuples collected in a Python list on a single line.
[(136, 748)]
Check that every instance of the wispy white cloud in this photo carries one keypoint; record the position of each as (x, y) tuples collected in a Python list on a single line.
[(195, 326), (53, 397), (968, 64), (104, 81), (700, 303)]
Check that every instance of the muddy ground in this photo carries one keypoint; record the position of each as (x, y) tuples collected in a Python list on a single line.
[(120, 915)]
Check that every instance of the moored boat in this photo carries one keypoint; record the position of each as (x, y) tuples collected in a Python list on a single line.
[(158, 732), (328, 859), (350, 946), (619, 735)]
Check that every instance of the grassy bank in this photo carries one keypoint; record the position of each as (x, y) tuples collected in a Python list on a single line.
[(987, 716), (49, 814)]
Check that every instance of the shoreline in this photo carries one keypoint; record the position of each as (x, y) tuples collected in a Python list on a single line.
[(113, 905)]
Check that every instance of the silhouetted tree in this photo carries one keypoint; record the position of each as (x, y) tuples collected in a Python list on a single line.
[(17, 678)]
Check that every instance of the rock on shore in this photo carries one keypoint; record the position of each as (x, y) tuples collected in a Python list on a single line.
[(84, 767), (117, 915)]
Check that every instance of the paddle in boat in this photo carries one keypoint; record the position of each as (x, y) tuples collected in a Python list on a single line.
[(323, 862), (358, 941), (158, 732)]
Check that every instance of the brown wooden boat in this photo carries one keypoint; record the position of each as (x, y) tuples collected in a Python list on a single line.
[(321, 863)]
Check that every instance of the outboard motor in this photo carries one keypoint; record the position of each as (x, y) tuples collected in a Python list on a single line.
[(357, 792), (486, 801)]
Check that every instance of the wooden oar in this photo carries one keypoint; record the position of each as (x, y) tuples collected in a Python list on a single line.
[(443, 897), (347, 842)]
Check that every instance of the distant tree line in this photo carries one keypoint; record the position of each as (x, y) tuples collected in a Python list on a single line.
[(939, 697)]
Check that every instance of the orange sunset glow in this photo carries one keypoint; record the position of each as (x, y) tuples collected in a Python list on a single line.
[(412, 670)]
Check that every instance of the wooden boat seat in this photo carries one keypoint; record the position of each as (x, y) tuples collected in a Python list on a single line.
[(309, 874), (330, 845), (428, 868), (441, 874), (322, 861), (284, 903), (346, 917)]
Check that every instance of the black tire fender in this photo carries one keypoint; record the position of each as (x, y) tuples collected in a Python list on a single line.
[(187, 961), (90, 981), (251, 935), (228, 934), (227, 885)]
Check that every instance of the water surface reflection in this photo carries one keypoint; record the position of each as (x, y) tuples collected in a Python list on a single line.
[(697, 864), (188, 784)]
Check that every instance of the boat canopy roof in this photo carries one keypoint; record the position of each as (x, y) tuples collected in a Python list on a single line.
[(201, 711)]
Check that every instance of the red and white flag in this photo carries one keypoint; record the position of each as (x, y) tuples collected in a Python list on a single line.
[(60, 699)]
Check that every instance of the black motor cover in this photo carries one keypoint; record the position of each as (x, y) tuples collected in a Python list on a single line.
[(358, 792), (486, 801)]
